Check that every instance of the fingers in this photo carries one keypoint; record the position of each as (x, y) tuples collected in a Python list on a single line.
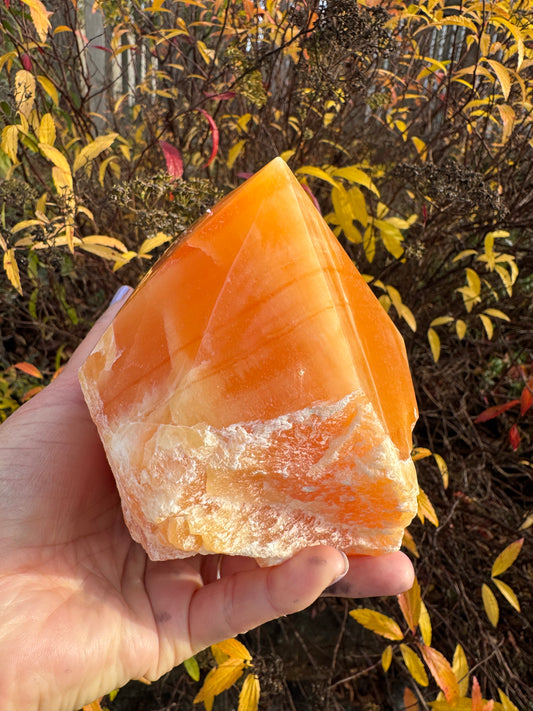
[(372, 576), (246, 599)]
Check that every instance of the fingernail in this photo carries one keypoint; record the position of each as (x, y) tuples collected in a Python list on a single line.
[(346, 569), (120, 294)]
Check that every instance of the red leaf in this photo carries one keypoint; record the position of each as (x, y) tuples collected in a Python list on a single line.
[(313, 198), (29, 369), (514, 437), (222, 97), (244, 175), (7, 3), (214, 136), (526, 398), (493, 412), (26, 62), (173, 159)]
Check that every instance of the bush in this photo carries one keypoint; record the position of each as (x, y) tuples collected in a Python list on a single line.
[(410, 126)]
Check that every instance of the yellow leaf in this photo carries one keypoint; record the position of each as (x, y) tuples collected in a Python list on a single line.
[(496, 313), (356, 175), (507, 557), (425, 624), (153, 242), (420, 147), (409, 542), (508, 593), (442, 672), (369, 245), (378, 623), (420, 453), (123, 258), (39, 16), (460, 669), (233, 649), (425, 508), (105, 240), (220, 678), (386, 658), (434, 342), (101, 251), (443, 468), (11, 269), (55, 156), (487, 323), (358, 205), (62, 181), (441, 320), (102, 169), (47, 130), (24, 93), (490, 604), (249, 695), (49, 88), (414, 665), (317, 173), (527, 523), (343, 211), (410, 605), (503, 76), (10, 140), (508, 117), (93, 150), (460, 327), (234, 152), (24, 225), (507, 704), (391, 237)]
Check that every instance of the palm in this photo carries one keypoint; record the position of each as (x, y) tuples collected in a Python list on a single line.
[(82, 608)]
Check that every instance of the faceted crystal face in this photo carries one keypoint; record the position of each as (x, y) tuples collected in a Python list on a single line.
[(252, 395)]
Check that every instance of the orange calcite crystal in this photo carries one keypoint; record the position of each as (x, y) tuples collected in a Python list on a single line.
[(252, 395)]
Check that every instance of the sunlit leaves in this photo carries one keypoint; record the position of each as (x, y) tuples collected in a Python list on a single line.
[(40, 17), (378, 622), (9, 142), (414, 665), (92, 150), (11, 269), (232, 659), (441, 671), (490, 604), (507, 557), (24, 92), (192, 668)]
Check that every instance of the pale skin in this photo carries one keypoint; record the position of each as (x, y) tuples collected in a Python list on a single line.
[(82, 608)]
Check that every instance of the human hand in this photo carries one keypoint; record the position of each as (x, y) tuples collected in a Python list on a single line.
[(82, 608)]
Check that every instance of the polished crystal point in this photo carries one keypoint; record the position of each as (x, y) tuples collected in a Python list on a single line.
[(252, 395)]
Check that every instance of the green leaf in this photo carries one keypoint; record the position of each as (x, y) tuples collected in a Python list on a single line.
[(192, 668)]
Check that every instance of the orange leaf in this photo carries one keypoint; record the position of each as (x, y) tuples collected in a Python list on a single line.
[(526, 398), (514, 437), (477, 699), (410, 605), (492, 412), (442, 672), (29, 369), (409, 700)]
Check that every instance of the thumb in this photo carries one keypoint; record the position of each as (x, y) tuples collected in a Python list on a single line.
[(78, 358)]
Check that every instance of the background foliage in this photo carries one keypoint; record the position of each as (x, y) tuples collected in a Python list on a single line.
[(410, 126)]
